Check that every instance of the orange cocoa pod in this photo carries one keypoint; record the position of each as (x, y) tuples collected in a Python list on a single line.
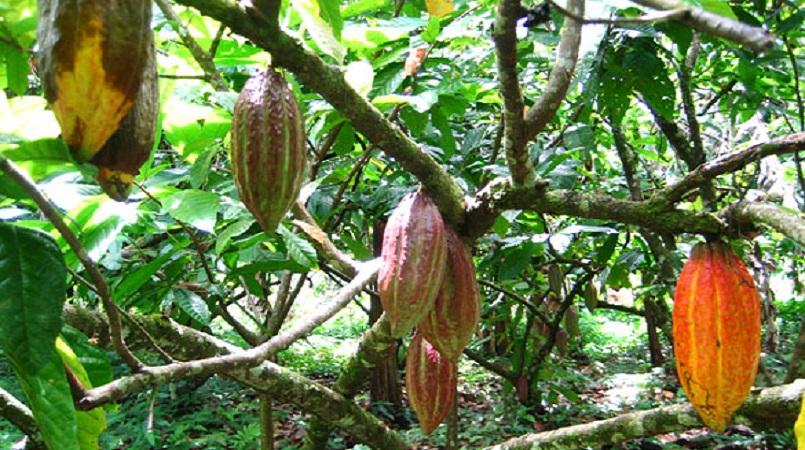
[(414, 254), (430, 380), (451, 322), (716, 332)]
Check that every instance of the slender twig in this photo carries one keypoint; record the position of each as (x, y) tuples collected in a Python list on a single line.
[(519, 299), (119, 388), (193, 237), (203, 58), (95, 275), (216, 41), (721, 93)]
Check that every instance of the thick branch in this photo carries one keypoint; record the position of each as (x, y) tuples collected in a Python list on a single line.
[(786, 221), (753, 38), (772, 408), (514, 142), (563, 68), (729, 163), (324, 246), (499, 196), (328, 81), (240, 360), (101, 287), (280, 383)]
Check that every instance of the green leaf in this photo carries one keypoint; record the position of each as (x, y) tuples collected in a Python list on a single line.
[(191, 304), (90, 424), (193, 207), (33, 281), (516, 260), (233, 230), (201, 167), (299, 249), (42, 157), (94, 360), (16, 69), (431, 32), (51, 402), (329, 11), (650, 76), (136, 279), (319, 30)]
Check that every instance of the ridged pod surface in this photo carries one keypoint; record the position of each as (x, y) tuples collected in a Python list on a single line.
[(430, 379), (451, 322), (799, 427), (128, 149), (92, 56), (268, 148), (716, 332), (414, 255)]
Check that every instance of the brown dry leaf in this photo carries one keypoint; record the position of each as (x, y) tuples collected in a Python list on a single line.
[(415, 58)]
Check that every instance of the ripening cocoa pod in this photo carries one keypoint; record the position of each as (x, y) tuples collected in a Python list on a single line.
[(121, 157), (268, 148), (92, 57), (451, 322), (591, 296), (556, 279), (572, 321), (414, 258), (430, 379), (799, 427), (716, 323)]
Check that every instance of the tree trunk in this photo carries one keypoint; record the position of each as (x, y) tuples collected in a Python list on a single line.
[(384, 384), (797, 367), (452, 426), (654, 345), (266, 422)]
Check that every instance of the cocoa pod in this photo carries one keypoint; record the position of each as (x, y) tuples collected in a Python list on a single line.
[(562, 339), (799, 427), (92, 56), (591, 296), (572, 321), (430, 380), (555, 279), (716, 323), (414, 258), (451, 322), (121, 157), (268, 148)]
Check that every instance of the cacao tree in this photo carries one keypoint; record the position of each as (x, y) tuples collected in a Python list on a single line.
[(191, 189)]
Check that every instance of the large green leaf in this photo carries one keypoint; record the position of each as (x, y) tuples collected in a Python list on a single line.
[(33, 284), (196, 208), (94, 360), (51, 402), (136, 279), (299, 249), (192, 304), (89, 424)]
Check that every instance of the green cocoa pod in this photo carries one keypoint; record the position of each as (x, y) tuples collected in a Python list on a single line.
[(268, 148)]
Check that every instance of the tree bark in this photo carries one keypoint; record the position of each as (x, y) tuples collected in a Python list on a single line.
[(772, 408), (654, 345), (797, 367), (266, 422)]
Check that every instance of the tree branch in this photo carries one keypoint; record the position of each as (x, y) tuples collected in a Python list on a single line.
[(280, 383), (240, 360), (514, 142), (753, 38), (20, 416), (563, 68), (728, 163), (328, 81), (499, 196), (786, 221), (101, 288), (771, 408)]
